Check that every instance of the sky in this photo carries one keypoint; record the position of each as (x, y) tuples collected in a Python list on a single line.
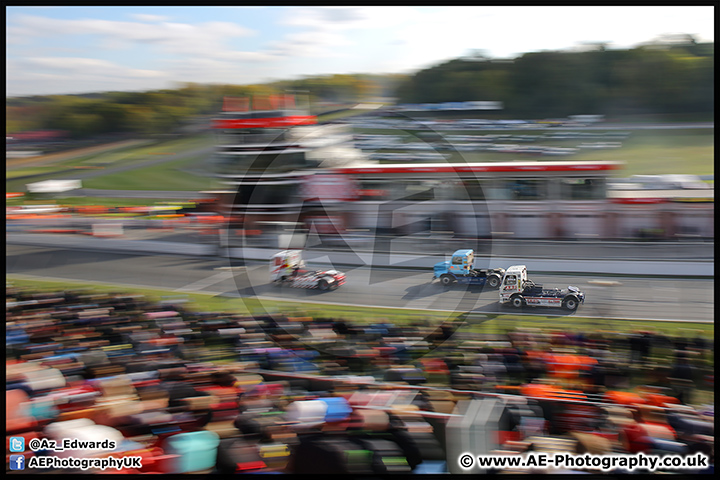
[(69, 50)]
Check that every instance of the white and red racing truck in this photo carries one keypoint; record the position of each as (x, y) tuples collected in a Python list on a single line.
[(518, 290), (288, 268)]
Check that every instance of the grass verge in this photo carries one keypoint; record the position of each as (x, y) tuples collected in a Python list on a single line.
[(476, 323), (117, 157), (81, 201), (165, 176)]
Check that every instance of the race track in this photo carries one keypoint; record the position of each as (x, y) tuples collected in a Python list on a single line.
[(689, 300)]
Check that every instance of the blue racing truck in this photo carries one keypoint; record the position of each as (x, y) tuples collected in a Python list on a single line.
[(460, 269)]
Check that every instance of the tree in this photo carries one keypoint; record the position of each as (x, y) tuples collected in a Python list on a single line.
[(81, 125), (141, 120), (672, 79)]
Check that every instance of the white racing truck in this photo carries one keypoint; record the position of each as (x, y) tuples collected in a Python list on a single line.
[(288, 268), (517, 290)]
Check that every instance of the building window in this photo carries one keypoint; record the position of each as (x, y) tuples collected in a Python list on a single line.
[(375, 189), (272, 195), (418, 191), (252, 136), (527, 189), (582, 189), (473, 190), (497, 189)]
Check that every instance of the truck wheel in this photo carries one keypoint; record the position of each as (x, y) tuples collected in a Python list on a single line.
[(323, 285), (570, 303), (493, 281), (446, 280), (517, 301)]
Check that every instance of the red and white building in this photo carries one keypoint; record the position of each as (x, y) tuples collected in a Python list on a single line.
[(284, 170)]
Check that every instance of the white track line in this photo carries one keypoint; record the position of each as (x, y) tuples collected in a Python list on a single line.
[(286, 300), (206, 282), (471, 313)]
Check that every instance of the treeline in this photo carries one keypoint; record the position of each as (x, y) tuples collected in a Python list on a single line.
[(652, 79), (661, 78), (136, 113), (168, 111)]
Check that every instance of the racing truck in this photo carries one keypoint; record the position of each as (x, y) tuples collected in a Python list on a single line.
[(288, 268), (460, 269), (518, 290)]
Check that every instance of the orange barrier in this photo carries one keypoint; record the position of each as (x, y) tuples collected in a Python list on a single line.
[(541, 390), (91, 209), (660, 400), (568, 366), (210, 219), (134, 209), (624, 398)]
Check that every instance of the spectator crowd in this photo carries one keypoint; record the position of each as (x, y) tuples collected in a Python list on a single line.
[(215, 392)]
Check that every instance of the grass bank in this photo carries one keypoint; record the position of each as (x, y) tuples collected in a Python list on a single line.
[(172, 175), (476, 323), (119, 157)]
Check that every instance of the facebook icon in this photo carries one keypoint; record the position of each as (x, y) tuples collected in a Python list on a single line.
[(17, 462)]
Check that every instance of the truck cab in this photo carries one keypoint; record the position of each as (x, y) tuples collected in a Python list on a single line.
[(513, 282), (461, 262), (518, 290), (284, 264), (288, 268), (460, 269)]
